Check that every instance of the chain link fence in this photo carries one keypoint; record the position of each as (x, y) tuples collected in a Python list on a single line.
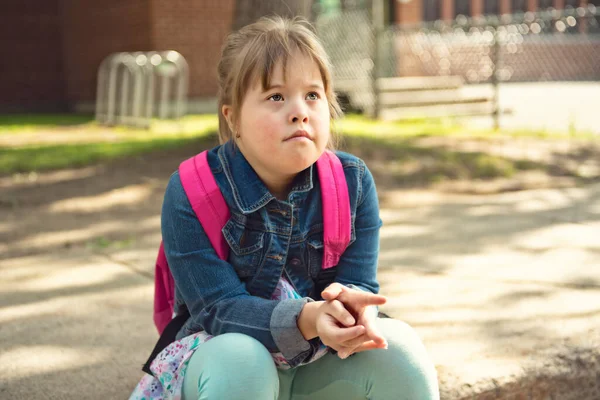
[(553, 45), (542, 70), (349, 40)]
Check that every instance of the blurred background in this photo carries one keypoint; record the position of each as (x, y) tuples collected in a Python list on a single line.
[(478, 119)]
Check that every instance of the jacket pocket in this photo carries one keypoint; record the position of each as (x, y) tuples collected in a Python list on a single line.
[(315, 251), (246, 245)]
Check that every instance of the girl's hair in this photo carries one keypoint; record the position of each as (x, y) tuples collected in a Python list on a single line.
[(254, 51)]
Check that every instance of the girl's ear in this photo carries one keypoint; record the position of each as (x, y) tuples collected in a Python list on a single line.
[(227, 111)]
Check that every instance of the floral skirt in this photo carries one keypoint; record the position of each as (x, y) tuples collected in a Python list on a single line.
[(169, 366)]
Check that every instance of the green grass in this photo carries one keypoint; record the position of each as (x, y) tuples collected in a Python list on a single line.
[(38, 158), (22, 123), (405, 162), (80, 141), (357, 125), (123, 142)]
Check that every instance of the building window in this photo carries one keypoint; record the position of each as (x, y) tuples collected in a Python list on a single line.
[(431, 10)]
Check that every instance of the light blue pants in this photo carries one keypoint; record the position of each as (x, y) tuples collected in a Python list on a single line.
[(235, 366)]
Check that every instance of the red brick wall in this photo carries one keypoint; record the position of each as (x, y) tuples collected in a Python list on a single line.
[(31, 69), (196, 29), (94, 29), (52, 48)]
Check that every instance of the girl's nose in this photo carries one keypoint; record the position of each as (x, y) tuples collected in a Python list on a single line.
[(304, 119), (299, 114)]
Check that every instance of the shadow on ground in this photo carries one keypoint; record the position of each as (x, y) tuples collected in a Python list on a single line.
[(70, 238)]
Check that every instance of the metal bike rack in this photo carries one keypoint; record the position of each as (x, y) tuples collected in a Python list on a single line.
[(126, 88)]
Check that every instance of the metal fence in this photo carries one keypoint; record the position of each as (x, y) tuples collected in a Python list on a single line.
[(554, 45), (550, 45), (542, 69), (133, 88), (349, 40)]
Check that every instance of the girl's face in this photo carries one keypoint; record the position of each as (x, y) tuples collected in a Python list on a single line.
[(285, 128)]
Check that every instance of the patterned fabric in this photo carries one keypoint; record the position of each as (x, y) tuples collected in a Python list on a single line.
[(170, 365)]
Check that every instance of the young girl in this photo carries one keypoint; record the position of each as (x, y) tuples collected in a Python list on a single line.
[(257, 329)]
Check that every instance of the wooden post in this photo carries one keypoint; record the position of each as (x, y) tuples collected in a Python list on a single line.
[(378, 16), (504, 7), (447, 10), (495, 80), (476, 8)]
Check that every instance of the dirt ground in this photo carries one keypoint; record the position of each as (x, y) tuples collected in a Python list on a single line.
[(89, 236), (63, 204)]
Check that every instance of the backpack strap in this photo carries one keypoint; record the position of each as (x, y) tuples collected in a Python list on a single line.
[(206, 199), (336, 208), (211, 210)]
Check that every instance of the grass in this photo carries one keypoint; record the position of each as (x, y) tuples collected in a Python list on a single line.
[(357, 125), (38, 158), (406, 163), (25, 123), (394, 146), (103, 144)]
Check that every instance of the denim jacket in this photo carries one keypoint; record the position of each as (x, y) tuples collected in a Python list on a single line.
[(267, 238)]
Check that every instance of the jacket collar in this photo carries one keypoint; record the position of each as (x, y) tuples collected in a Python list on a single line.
[(249, 192)]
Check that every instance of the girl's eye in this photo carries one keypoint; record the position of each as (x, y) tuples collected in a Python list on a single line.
[(276, 97), (313, 96)]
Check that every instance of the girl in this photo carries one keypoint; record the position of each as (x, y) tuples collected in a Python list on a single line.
[(257, 327)]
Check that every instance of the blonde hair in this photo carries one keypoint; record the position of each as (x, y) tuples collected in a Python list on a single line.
[(254, 51)]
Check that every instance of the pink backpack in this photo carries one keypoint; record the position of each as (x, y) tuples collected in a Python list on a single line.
[(207, 202)]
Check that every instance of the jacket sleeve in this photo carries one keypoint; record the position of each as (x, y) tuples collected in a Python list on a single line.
[(213, 293)]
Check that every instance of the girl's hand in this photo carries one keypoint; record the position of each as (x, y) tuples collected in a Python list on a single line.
[(337, 328), (359, 304)]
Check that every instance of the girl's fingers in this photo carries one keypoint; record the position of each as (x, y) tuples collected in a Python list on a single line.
[(345, 352), (371, 345), (359, 299), (355, 299), (371, 339), (372, 332), (332, 291), (343, 335), (355, 342), (361, 343), (339, 312)]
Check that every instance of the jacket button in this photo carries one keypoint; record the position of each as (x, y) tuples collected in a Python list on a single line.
[(295, 262)]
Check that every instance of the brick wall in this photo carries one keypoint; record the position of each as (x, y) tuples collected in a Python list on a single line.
[(31, 69), (94, 29), (196, 29), (52, 48)]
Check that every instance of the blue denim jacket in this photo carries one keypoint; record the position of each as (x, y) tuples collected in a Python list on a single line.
[(267, 238)]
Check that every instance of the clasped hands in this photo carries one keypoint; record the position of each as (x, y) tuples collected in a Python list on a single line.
[(345, 321)]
